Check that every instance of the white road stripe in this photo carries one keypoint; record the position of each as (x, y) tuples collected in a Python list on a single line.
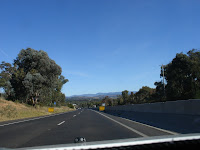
[(32, 119), (61, 123), (74, 116), (133, 130), (163, 130)]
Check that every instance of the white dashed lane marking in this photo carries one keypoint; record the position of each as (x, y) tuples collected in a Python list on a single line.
[(61, 123)]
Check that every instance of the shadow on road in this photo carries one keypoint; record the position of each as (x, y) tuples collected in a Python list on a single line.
[(174, 122)]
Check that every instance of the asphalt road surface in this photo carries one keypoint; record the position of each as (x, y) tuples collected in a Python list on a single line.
[(64, 128), (180, 123)]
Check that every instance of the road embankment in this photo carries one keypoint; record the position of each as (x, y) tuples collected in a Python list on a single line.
[(12, 110)]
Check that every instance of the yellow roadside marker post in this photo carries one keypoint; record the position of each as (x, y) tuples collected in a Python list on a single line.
[(101, 108), (50, 109)]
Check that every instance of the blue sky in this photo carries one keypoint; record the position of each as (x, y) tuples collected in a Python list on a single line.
[(101, 45)]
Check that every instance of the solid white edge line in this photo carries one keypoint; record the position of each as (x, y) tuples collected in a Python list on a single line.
[(33, 119), (163, 130), (61, 123), (133, 130)]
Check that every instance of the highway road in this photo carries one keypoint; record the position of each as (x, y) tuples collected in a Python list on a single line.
[(181, 123), (64, 128)]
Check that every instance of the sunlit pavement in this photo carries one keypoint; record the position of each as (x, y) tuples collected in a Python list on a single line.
[(64, 128)]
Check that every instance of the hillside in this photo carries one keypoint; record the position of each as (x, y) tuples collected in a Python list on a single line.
[(97, 96), (12, 110)]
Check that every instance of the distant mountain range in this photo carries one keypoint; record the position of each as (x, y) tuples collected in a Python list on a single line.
[(96, 96)]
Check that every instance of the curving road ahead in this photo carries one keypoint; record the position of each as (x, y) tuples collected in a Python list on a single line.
[(63, 128)]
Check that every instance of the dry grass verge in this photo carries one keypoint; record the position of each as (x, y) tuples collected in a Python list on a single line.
[(12, 110)]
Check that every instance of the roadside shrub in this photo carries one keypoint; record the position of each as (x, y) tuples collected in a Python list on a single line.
[(70, 106)]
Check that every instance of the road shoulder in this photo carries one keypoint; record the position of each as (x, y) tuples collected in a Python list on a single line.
[(140, 127)]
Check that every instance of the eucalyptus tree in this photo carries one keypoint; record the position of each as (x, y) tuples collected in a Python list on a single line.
[(5, 76), (125, 96), (183, 76), (33, 77)]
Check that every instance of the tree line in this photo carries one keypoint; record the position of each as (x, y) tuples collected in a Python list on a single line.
[(32, 78), (182, 82)]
